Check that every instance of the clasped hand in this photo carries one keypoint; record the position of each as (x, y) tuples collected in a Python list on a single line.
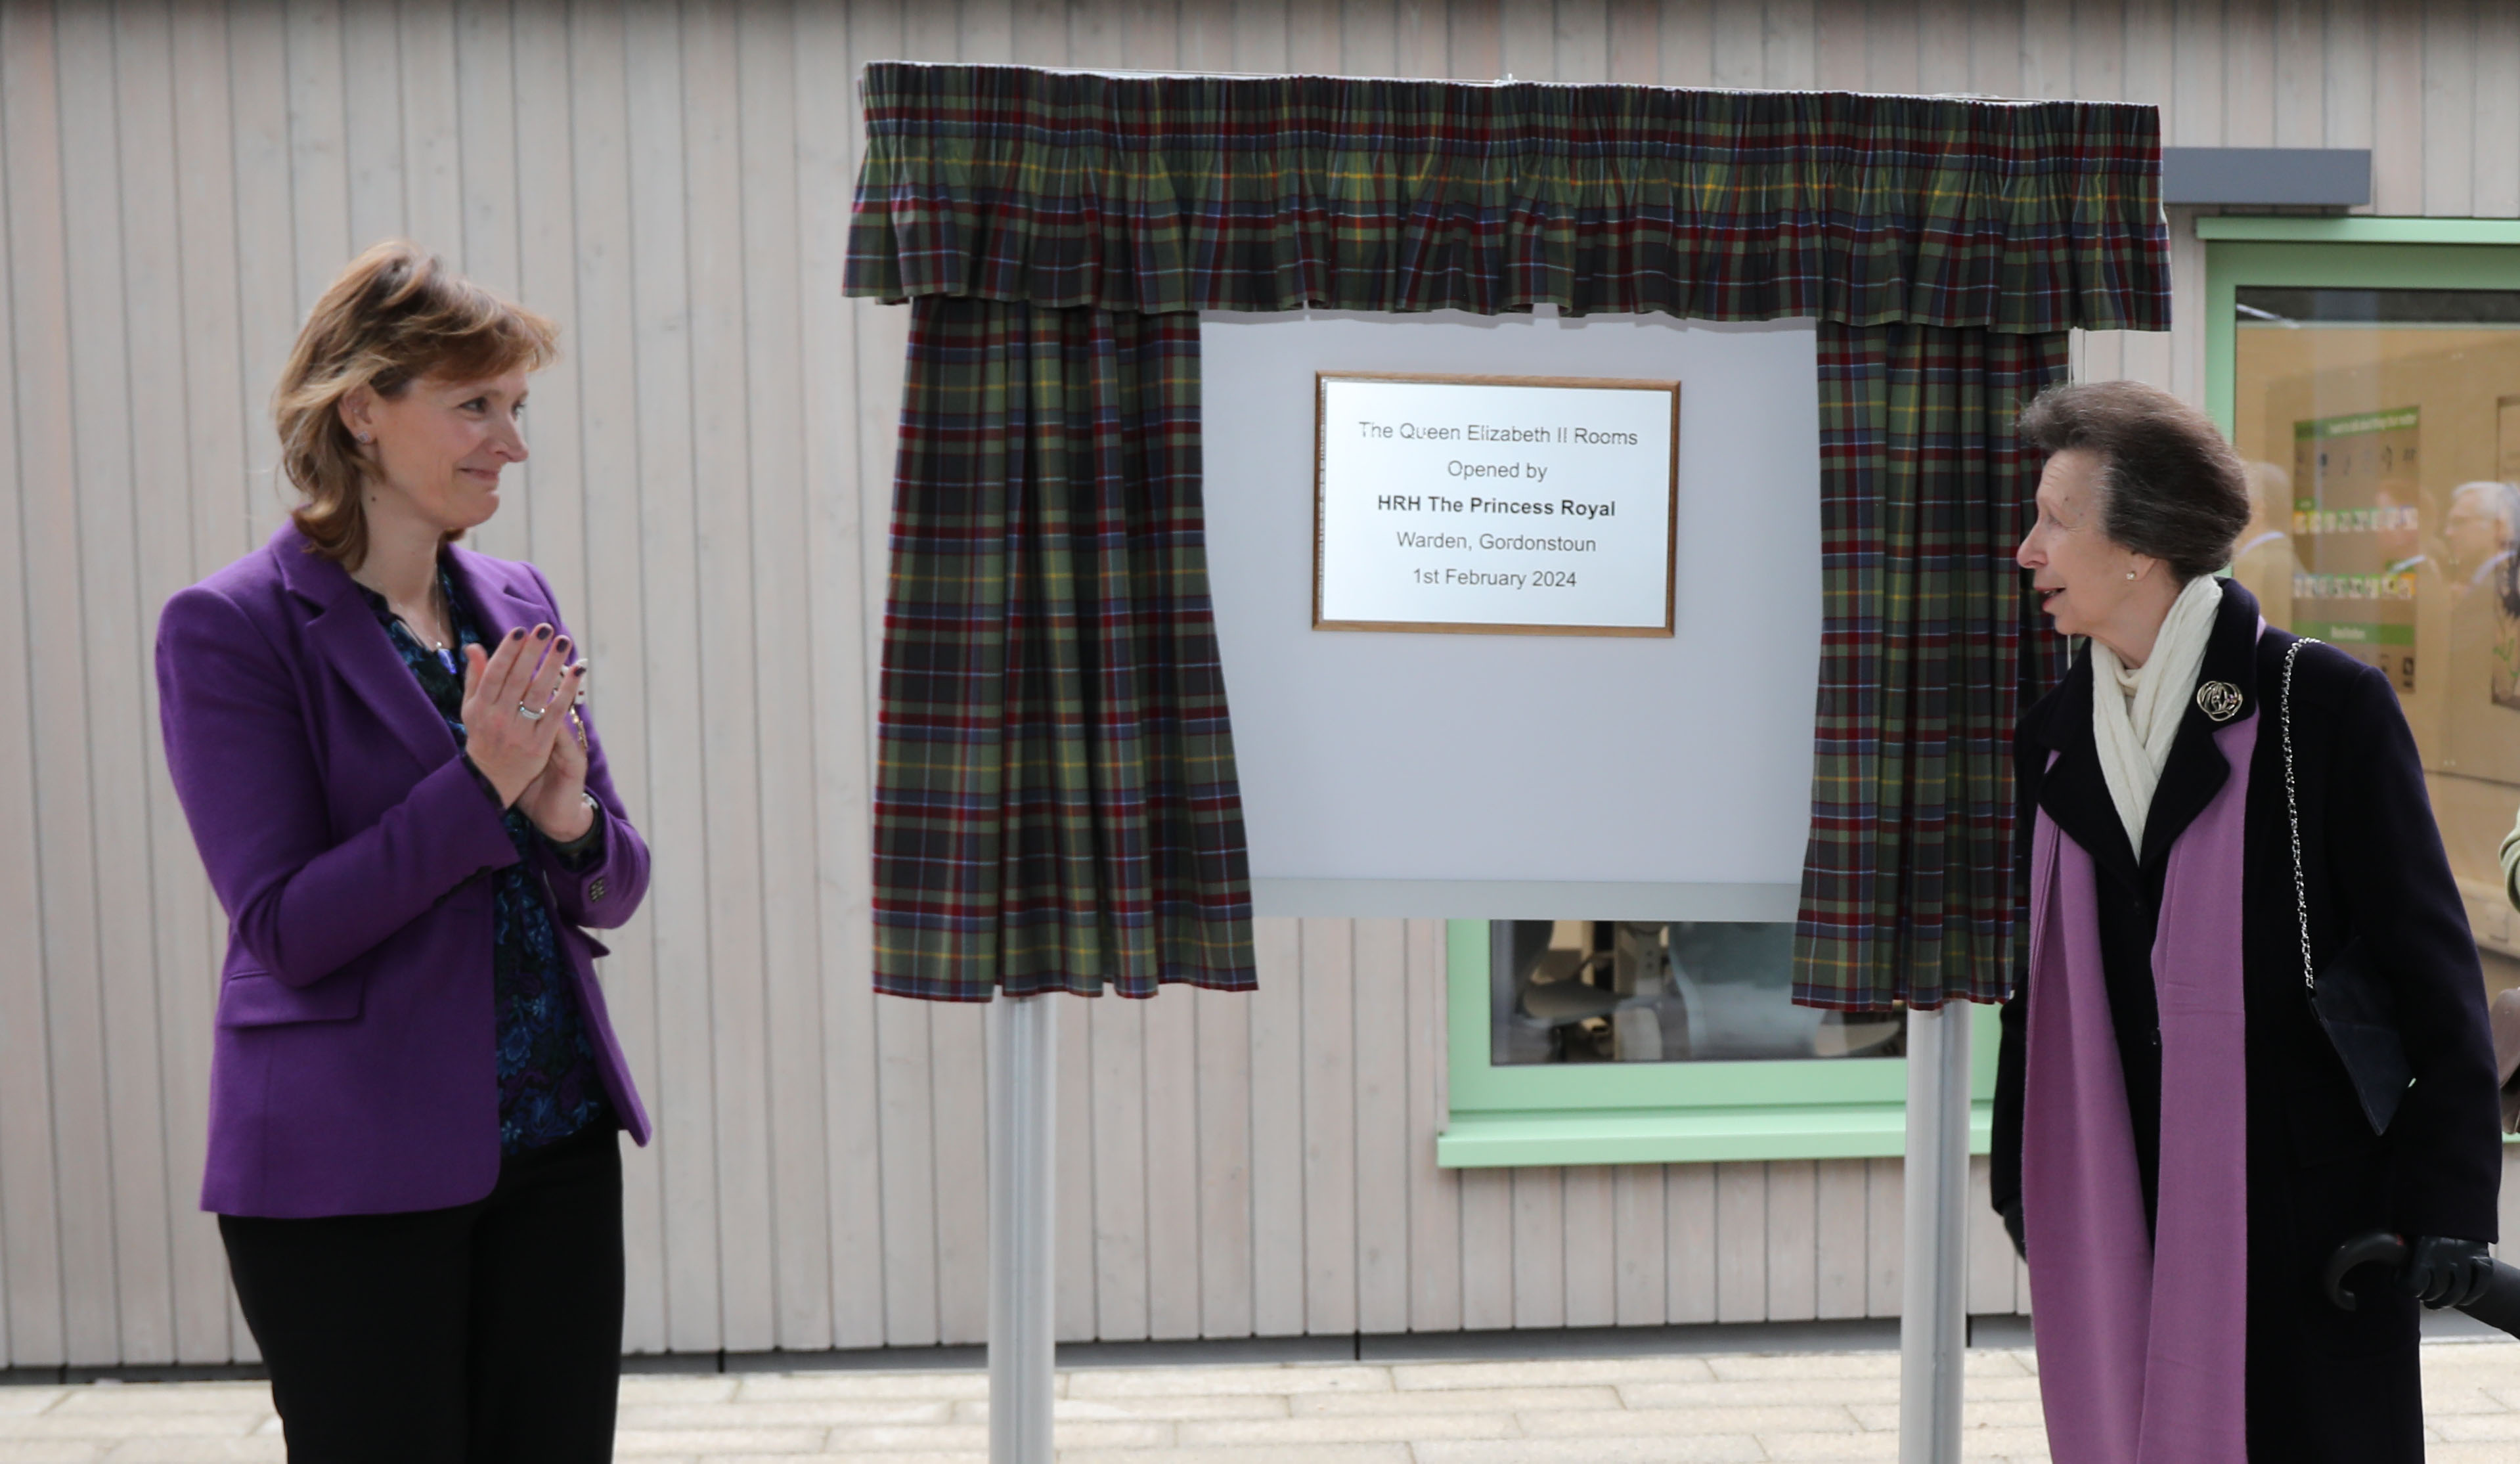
[(518, 731)]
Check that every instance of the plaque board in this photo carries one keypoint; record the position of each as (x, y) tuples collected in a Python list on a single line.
[(1495, 505), (1512, 774)]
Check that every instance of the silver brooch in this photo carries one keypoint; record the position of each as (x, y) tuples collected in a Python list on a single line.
[(2218, 700)]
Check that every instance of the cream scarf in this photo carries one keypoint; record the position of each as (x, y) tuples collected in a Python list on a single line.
[(2135, 714)]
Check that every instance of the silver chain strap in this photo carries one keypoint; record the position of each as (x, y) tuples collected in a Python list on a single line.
[(2292, 810)]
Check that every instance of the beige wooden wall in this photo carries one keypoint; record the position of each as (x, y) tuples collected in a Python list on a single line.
[(181, 177)]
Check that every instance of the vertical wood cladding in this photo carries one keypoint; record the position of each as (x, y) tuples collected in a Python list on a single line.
[(709, 494)]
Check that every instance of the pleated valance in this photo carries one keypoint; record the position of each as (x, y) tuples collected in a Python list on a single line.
[(1162, 194)]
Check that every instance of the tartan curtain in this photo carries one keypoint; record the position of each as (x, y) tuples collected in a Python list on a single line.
[(1160, 194), (1945, 244), (1929, 648), (1055, 805)]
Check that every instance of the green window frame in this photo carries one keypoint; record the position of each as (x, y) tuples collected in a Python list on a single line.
[(1670, 1113), (2344, 253)]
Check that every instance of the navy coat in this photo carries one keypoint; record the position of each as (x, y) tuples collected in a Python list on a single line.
[(2323, 1384)]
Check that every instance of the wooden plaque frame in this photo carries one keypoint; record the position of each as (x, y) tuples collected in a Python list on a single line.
[(1671, 512)]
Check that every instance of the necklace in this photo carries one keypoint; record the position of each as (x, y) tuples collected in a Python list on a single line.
[(446, 612), (445, 655)]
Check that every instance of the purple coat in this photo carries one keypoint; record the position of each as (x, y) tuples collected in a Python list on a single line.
[(354, 1069)]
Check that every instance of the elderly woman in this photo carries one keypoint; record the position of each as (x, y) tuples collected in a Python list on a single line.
[(2222, 1065), (413, 1089)]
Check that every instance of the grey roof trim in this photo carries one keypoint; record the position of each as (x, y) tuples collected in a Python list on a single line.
[(2303, 177)]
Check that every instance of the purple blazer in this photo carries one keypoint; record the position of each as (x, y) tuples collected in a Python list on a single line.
[(354, 1069)]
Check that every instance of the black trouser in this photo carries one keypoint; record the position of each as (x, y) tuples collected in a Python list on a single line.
[(483, 1334)]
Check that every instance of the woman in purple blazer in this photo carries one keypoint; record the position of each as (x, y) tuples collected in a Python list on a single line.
[(380, 741)]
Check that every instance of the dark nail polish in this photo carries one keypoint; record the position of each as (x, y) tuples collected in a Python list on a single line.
[(561, 644), (518, 633), (542, 632)]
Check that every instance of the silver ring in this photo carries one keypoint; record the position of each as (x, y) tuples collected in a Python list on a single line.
[(529, 714)]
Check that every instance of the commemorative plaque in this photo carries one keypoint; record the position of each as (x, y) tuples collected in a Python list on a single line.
[(1495, 505)]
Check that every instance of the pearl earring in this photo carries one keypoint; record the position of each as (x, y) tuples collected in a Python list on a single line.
[(2130, 572)]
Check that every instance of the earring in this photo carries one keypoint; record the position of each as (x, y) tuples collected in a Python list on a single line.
[(2130, 572), (364, 439)]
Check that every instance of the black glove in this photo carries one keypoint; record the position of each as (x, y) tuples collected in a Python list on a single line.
[(2443, 1270), (2012, 1227)]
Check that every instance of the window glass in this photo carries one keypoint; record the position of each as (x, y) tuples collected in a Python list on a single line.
[(1622, 990), (2382, 429)]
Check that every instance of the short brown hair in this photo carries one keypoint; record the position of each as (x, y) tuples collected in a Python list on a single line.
[(2175, 490), (395, 315)]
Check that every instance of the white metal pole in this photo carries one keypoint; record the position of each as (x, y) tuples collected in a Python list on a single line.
[(1024, 1046), (1933, 1316)]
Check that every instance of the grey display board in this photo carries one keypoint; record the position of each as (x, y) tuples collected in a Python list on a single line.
[(1496, 776)]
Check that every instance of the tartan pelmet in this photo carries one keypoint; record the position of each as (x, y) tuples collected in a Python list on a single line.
[(1928, 652), (1056, 803), (1163, 194)]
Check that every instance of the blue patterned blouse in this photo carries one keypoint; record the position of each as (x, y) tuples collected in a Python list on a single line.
[(547, 1085)]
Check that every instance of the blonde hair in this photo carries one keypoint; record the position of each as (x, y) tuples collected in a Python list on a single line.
[(393, 316)]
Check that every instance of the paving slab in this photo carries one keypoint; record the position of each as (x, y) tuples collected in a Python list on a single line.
[(1868, 1447), (1316, 1454), (2460, 1397), (2469, 1453), (50, 1451), (1681, 1423), (136, 1424), (1700, 1408), (1847, 1391), (1709, 1449), (1090, 1436), (944, 1385), (1976, 1413), (653, 1388), (822, 1412), (1353, 1427), (255, 1450), (1487, 1399), (1286, 1378), (1545, 1373), (2476, 1428), (710, 1443), (160, 1400), (1164, 1406), (165, 1397), (2003, 1443), (1823, 1367), (911, 1457)]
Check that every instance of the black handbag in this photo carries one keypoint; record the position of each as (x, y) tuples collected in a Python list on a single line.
[(2352, 998)]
